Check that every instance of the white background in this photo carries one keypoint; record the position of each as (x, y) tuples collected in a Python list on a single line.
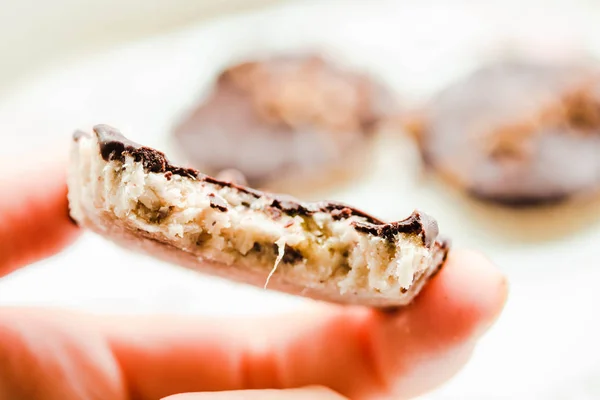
[(70, 64)]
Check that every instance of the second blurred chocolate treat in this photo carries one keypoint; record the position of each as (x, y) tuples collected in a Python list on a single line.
[(285, 123), (518, 132)]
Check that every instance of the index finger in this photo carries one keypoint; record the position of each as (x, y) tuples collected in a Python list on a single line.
[(355, 351), (359, 353)]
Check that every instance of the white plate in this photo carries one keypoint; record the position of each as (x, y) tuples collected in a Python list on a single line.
[(547, 336)]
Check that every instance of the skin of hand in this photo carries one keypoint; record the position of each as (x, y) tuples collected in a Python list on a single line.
[(325, 352)]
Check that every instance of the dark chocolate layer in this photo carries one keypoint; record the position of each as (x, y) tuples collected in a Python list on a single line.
[(114, 147)]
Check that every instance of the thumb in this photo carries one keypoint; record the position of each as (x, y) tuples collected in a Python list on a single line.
[(310, 393), (34, 211)]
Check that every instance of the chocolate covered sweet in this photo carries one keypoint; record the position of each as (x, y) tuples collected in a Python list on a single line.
[(297, 117), (518, 132), (133, 195)]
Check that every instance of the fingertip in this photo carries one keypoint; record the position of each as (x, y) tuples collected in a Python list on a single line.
[(426, 343), (464, 298)]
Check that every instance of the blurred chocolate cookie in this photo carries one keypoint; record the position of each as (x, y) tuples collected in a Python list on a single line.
[(284, 120), (518, 132)]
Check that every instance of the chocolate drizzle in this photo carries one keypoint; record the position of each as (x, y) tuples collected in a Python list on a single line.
[(115, 147)]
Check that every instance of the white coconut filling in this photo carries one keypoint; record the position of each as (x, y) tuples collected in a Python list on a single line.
[(178, 210)]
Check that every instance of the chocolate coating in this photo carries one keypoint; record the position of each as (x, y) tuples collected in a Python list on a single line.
[(115, 147), (518, 132), (284, 115), (418, 224)]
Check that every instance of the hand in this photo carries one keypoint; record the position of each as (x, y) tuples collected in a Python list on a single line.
[(359, 353)]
